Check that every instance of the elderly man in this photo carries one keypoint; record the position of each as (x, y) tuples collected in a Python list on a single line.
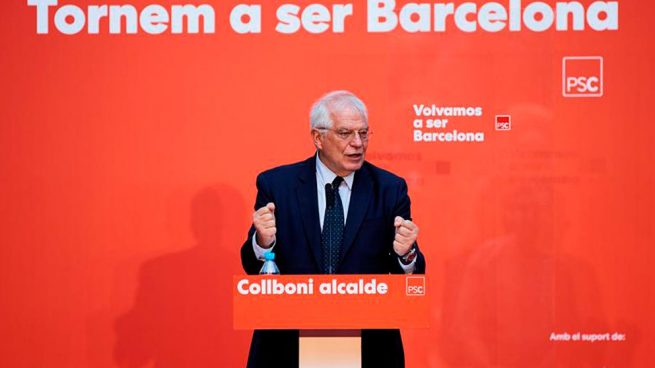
[(333, 213)]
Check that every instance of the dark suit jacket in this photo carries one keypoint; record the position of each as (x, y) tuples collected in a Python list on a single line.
[(377, 197)]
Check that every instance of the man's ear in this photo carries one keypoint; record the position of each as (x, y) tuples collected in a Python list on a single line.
[(317, 138)]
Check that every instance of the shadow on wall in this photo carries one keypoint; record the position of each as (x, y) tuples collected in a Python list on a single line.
[(182, 311), (505, 297)]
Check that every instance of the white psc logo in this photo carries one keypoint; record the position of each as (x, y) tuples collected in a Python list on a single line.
[(582, 76), (583, 84)]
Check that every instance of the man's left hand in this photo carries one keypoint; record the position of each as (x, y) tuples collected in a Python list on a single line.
[(406, 234)]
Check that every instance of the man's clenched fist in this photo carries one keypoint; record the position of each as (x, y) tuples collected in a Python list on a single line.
[(264, 221), (406, 234)]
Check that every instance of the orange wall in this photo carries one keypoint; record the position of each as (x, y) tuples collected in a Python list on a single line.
[(127, 168)]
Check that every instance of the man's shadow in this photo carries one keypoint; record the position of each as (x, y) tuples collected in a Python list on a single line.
[(182, 311), (507, 294)]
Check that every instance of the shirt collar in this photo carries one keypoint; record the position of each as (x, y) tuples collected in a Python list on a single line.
[(328, 176)]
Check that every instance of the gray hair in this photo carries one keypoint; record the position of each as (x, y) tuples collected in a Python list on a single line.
[(320, 114)]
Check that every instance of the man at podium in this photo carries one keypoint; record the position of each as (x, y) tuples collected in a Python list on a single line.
[(333, 213)]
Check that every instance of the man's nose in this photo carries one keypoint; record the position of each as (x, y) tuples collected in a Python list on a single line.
[(357, 140)]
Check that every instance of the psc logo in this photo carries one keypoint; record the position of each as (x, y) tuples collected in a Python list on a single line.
[(415, 285), (582, 76), (503, 122)]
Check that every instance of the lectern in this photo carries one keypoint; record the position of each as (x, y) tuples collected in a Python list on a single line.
[(330, 310)]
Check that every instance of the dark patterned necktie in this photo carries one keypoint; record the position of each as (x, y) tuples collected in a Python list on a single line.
[(332, 235)]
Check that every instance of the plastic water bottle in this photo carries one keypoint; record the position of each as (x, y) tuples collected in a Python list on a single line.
[(269, 267)]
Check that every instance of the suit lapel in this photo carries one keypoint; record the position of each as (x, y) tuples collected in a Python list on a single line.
[(359, 201), (308, 201)]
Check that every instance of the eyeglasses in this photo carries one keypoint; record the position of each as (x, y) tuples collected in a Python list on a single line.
[(349, 135)]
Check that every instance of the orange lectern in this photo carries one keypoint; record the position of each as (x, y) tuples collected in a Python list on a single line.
[(308, 302)]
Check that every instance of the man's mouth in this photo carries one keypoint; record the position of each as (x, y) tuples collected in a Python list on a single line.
[(354, 156)]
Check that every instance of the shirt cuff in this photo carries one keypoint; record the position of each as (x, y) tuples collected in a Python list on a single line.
[(259, 251), (410, 268)]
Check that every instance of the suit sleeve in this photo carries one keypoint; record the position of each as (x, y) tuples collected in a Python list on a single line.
[(403, 209), (249, 260)]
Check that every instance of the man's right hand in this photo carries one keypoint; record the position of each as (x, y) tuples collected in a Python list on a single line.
[(264, 221)]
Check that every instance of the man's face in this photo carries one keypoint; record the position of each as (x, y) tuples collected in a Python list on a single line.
[(340, 152)]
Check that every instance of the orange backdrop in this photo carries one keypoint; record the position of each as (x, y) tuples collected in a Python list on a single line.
[(127, 169)]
